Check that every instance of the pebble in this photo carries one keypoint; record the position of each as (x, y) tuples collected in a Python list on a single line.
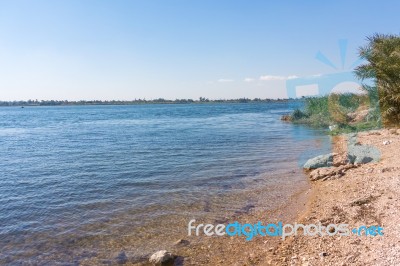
[(161, 256), (122, 258), (182, 242), (323, 254)]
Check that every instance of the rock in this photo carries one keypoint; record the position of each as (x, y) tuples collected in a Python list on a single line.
[(161, 257), (340, 159), (182, 242), (320, 161), (330, 172), (323, 254), (361, 154), (386, 142), (122, 258)]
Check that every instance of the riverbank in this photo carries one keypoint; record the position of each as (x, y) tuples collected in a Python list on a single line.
[(201, 100), (367, 194)]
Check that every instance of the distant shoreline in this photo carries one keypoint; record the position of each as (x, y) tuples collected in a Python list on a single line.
[(136, 102)]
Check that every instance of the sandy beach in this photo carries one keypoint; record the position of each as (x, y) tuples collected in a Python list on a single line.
[(366, 194)]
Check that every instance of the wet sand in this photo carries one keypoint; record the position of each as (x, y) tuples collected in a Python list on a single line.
[(225, 250)]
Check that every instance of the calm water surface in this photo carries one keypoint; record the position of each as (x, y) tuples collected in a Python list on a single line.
[(85, 181)]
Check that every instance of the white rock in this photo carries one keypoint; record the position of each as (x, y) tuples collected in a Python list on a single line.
[(323, 254), (160, 257), (386, 142)]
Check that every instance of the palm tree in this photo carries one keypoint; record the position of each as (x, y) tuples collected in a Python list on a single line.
[(382, 54)]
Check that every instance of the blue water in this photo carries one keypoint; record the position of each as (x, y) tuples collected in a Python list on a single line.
[(75, 179)]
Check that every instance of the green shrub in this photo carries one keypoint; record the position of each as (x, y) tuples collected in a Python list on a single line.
[(335, 109), (297, 115)]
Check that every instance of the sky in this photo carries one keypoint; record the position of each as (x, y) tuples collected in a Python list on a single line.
[(225, 49)]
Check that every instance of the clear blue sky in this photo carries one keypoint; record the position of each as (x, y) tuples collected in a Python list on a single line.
[(176, 48)]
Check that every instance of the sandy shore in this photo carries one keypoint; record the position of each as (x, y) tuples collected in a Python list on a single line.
[(368, 194)]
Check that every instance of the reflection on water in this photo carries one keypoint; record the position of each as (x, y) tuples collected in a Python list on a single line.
[(88, 182)]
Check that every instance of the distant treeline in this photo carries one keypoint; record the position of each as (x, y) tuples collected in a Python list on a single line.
[(136, 101)]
